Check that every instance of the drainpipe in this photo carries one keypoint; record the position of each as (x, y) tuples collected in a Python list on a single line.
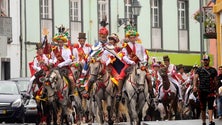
[(20, 38), (25, 26)]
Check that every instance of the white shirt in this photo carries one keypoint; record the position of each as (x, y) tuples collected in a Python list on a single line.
[(75, 52), (140, 53), (66, 55), (36, 65)]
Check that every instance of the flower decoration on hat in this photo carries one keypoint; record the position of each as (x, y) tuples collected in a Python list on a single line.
[(61, 35), (131, 33)]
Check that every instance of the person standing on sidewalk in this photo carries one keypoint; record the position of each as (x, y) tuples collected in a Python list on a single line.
[(219, 98), (207, 76)]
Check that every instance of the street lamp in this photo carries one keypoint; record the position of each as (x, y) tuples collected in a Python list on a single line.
[(136, 7)]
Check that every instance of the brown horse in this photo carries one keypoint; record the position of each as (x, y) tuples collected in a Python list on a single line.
[(168, 95)]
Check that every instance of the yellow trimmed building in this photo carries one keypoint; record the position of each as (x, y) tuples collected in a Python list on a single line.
[(217, 9)]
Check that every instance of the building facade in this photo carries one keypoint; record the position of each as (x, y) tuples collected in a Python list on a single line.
[(165, 27), (218, 12), (10, 39)]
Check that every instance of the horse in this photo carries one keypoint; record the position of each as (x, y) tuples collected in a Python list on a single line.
[(136, 91), (168, 95), (104, 88), (56, 89)]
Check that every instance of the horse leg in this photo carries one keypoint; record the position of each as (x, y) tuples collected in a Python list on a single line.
[(109, 110), (99, 104), (134, 115)]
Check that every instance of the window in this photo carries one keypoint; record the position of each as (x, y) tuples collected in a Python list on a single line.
[(46, 17), (128, 9), (183, 25), (182, 14), (156, 27), (103, 10), (155, 13), (75, 9), (75, 19), (4, 7), (46, 9)]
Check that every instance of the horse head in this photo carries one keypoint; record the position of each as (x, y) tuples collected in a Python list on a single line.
[(96, 70), (76, 69), (163, 72)]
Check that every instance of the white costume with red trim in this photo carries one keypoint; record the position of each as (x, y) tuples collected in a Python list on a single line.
[(139, 52), (65, 54)]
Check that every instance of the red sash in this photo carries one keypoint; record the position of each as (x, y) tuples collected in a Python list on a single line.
[(81, 53), (131, 54), (58, 55)]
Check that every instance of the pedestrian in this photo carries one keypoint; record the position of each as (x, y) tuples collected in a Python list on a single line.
[(207, 76), (219, 98)]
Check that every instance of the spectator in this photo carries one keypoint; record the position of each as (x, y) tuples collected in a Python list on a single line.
[(207, 76), (219, 98)]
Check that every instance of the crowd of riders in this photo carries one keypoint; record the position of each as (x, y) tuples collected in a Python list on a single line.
[(117, 54)]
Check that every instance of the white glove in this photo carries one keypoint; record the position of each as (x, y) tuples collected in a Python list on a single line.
[(60, 65), (132, 63), (38, 68)]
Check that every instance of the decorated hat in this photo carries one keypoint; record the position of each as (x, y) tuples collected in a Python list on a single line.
[(39, 46), (114, 37), (56, 38), (61, 35), (82, 36), (206, 57), (131, 33), (103, 31), (166, 58)]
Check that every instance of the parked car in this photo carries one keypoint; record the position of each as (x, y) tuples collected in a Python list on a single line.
[(11, 103), (29, 103)]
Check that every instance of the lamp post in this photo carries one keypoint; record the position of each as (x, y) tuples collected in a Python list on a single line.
[(136, 7), (201, 30)]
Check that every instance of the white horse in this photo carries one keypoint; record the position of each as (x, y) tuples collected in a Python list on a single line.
[(136, 85), (104, 89)]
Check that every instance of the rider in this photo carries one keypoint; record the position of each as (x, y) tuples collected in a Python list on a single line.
[(40, 64), (172, 74), (156, 78), (61, 57), (81, 50), (135, 53), (96, 49), (112, 58)]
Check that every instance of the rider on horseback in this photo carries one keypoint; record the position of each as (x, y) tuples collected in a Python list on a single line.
[(135, 53), (172, 74), (40, 66), (97, 48), (61, 57)]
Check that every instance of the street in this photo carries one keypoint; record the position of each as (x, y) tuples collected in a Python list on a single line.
[(177, 122)]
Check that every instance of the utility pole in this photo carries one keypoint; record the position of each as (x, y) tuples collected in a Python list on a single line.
[(201, 29)]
